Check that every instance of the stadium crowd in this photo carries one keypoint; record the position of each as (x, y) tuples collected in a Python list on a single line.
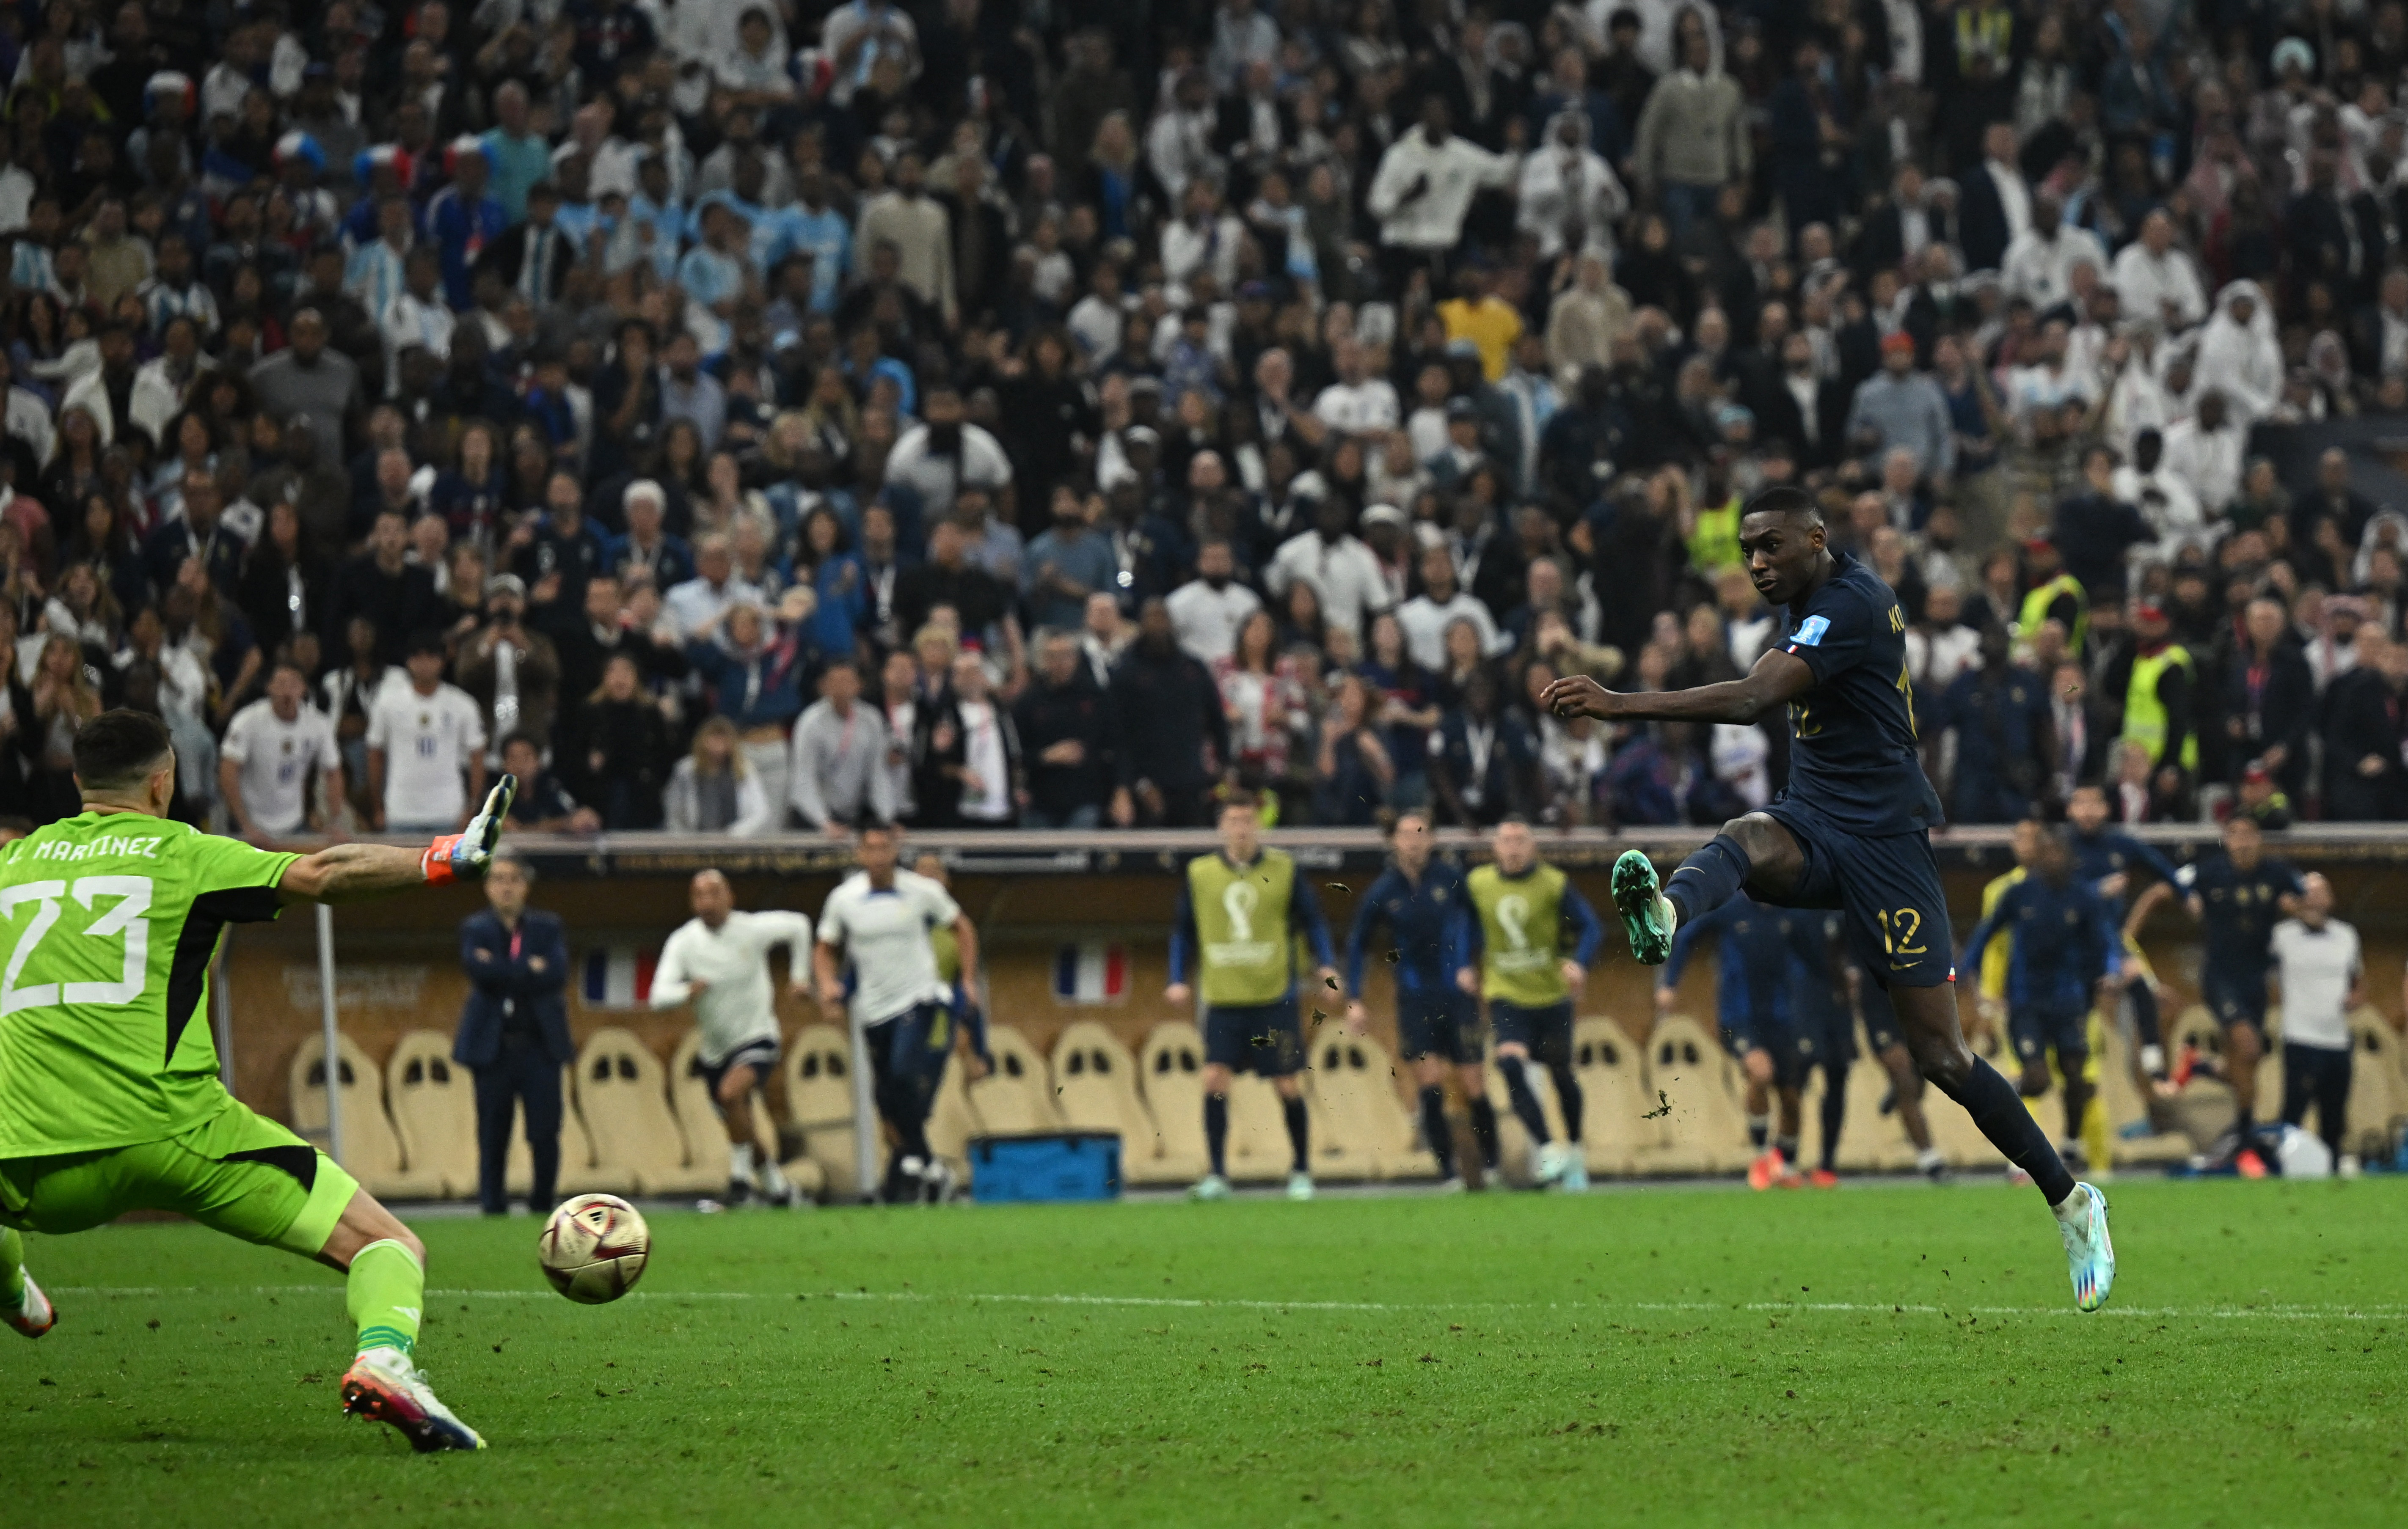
[(737, 414)]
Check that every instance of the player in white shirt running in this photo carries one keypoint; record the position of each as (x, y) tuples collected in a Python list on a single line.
[(421, 740), (2324, 977), (878, 921), (719, 960), (270, 748)]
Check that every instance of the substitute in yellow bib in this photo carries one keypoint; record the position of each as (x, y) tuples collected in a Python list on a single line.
[(1240, 910), (1520, 907)]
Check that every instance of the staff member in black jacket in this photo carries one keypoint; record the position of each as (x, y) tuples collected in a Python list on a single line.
[(514, 1030)]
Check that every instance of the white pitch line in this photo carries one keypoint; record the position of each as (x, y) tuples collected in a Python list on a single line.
[(2228, 1313)]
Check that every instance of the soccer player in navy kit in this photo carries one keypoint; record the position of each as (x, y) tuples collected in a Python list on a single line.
[(2106, 857), (2067, 945), (1759, 1019), (1851, 832), (2238, 896), (1421, 902)]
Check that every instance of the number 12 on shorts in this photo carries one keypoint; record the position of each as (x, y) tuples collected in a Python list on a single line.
[(1899, 930)]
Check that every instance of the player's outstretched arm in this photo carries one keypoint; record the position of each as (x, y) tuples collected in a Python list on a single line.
[(350, 873), (1777, 679)]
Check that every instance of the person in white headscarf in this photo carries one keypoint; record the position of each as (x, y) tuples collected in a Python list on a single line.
[(2239, 353), (1570, 198)]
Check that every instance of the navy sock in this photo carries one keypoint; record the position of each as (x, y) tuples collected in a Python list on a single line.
[(1786, 1146), (1569, 1099), (1835, 1111), (2145, 1012), (1434, 1127), (1216, 1130), (1999, 1111), (1526, 1103), (1759, 1127), (1299, 1134), (1709, 879), (1483, 1130)]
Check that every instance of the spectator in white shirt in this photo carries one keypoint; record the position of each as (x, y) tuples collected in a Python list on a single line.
[(1208, 609), (271, 750), (697, 606), (2158, 282), (1336, 563), (2164, 498), (1424, 185), (1359, 403), (2039, 260), (936, 460), (2204, 452), (422, 741), (1442, 603)]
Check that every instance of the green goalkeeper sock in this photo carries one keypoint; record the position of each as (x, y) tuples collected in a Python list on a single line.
[(12, 1269), (385, 1293)]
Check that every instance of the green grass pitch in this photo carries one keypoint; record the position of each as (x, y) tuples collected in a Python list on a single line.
[(1670, 1356)]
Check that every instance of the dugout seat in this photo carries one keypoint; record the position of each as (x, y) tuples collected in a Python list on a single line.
[(2205, 1107), (819, 1104), (1706, 1130), (2378, 1091), (1353, 1095), (1016, 1097), (623, 1095), (1171, 1073), (1614, 1090), (1094, 1087), (371, 1153), (433, 1109)]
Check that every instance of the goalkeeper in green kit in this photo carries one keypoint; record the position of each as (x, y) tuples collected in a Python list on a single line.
[(109, 1097)]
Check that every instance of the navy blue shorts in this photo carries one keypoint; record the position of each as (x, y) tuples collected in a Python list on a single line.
[(1833, 1038), (1887, 885), (2038, 1029), (1443, 1025), (1260, 1038), (1791, 1050), (759, 1055), (1546, 1033), (2236, 998)]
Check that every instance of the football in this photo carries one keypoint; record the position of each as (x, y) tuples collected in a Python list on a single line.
[(595, 1248)]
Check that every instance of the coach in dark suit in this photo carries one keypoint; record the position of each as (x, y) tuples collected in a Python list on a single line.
[(514, 1031)]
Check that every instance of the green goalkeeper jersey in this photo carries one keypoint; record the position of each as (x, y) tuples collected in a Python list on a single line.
[(108, 921)]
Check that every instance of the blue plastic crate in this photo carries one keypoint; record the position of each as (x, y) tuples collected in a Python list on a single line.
[(1057, 1166)]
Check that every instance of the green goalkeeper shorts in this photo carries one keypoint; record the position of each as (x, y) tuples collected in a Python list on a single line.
[(233, 1173)]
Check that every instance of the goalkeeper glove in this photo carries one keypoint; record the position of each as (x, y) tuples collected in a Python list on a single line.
[(464, 855)]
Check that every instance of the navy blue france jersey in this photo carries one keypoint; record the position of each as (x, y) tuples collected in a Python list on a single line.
[(2240, 908), (2100, 855), (1855, 760), (2065, 940), (1425, 919)]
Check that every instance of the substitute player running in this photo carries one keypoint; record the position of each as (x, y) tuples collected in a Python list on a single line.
[(2066, 948), (109, 1097), (1757, 1008), (1421, 900), (1514, 958), (719, 960), (2106, 857), (2323, 972), (880, 922), (1852, 830), (2238, 894), (1241, 908)]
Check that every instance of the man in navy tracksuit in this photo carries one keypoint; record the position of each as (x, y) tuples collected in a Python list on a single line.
[(514, 1031), (2067, 945), (1759, 1022), (1421, 902)]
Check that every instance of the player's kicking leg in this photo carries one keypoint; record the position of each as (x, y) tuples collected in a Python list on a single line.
[(385, 1291), (22, 1304)]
